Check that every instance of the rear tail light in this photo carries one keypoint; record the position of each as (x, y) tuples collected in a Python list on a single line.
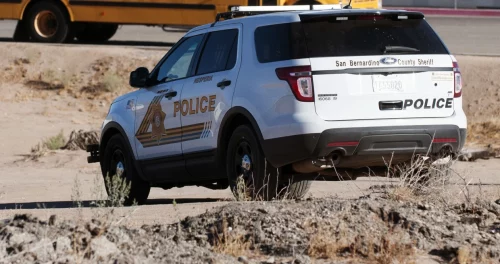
[(444, 140), (300, 80), (458, 80)]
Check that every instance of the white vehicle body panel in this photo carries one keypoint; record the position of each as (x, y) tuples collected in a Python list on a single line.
[(198, 89), (357, 93)]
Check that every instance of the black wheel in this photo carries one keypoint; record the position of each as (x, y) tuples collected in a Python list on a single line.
[(20, 33), (250, 175), (96, 32), (294, 189), (46, 21), (118, 161)]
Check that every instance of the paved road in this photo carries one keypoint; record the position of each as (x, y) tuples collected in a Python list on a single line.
[(463, 35)]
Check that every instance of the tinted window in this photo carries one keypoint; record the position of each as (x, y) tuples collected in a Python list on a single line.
[(219, 53), (177, 64), (362, 37), (280, 42)]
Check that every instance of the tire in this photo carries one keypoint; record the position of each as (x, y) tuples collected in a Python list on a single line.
[(96, 32), (115, 152), (258, 180), (296, 190), (48, 22), (20, 33)]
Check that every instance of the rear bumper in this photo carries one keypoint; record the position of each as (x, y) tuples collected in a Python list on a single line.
[(365, 141)]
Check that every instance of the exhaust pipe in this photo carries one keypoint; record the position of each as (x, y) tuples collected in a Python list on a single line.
[(319, 164)]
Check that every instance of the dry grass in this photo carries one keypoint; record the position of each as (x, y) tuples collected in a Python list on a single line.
[(229, 242), (112, 82), (463, 256), (241, 193), (55, 142), (484, 132), (334, 245)]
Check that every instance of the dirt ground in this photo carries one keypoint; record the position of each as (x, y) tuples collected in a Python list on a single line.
[(45, 90)]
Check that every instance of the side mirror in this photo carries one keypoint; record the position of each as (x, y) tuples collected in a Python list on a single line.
[(138, 77)]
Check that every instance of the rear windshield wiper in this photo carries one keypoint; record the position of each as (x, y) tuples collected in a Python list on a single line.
[(399, 49)]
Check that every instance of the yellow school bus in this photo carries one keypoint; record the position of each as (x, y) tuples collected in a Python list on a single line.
[(58, 21)]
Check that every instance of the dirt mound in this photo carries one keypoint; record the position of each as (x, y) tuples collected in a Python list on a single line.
[(365, 230), (27, 239)]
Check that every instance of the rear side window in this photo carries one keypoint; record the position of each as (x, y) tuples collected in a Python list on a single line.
[(364, 36), (219, 53), (280, 42)]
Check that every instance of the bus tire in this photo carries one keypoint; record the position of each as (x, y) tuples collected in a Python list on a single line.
[(96, 32), (20, 33), (48, 22)]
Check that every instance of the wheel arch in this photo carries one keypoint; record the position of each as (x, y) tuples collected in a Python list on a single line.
[(110, 129), (63, 4), (113, 128), (233, 118)]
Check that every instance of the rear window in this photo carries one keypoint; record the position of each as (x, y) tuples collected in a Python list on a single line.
[(328, 37), (280, 42)]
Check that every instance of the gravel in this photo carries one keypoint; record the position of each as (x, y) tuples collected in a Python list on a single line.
[(268, 232)]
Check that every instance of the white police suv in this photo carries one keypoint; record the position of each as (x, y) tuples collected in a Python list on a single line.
[(279, 96)]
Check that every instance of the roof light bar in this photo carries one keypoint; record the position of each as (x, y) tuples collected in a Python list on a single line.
[(283, 8)]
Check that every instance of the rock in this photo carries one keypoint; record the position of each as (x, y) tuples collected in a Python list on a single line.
[(270, 260), (301, 259), (103, 248), (472, 154), (22, 238), (43, 250), (243, 259), (63, 245), (52, 219)]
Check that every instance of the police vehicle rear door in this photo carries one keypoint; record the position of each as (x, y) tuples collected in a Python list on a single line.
[(207, 96), (369, 65)]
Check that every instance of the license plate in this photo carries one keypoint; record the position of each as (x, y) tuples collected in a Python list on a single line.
[(387, 84)]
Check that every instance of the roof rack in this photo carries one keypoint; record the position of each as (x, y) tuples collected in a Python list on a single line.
[(238, 11)]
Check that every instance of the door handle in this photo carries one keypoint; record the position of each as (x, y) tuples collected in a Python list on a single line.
[(222, 84), (390, 105), (171, 94)]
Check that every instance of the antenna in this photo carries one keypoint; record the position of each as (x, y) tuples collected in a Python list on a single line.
[(348, 6)]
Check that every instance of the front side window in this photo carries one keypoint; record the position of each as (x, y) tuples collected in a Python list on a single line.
[(177, 64)]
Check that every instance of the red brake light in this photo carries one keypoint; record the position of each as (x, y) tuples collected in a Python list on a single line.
[(457, 79), (444, 140), (300, 80)]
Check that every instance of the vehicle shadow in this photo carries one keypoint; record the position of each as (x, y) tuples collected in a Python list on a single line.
[(107, 43), (89, 204)]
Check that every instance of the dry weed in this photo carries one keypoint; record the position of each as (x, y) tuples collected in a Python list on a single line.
[(241, 192), (55, 142), (111, 82), (484, 132), (229, 242), (78, 140), (338, 245), (38, 151), (463, 255)]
